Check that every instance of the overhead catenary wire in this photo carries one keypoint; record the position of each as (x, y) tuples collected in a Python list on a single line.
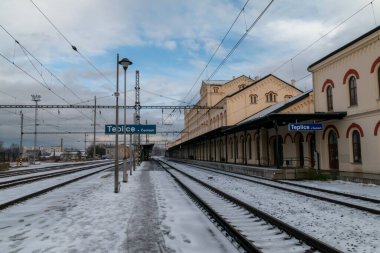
[(240, 41), (216, 49), (316, 41), (232, 50), (72, 45), (38, 81), (27, 52), (323, 36)]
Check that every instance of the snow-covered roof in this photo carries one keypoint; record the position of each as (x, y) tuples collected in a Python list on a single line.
[(274, 108), (215, 82)]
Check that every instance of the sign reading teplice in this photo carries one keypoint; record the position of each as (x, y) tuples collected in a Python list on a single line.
[(305, 127), (131, 129)]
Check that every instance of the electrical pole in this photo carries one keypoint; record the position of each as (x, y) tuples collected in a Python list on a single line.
[(85, 142), (21, 135), (146, 136), (116, 190), (137, 116), (94, 152), (125, 63), (36, 99)]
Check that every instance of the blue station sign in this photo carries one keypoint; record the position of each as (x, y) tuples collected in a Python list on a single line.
[(131, 129), (305, 127)]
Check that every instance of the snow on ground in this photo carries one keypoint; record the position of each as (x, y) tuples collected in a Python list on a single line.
[(149, 214), (49, 171), (11, 193), (367, 190), (345, 228), (27, 165)]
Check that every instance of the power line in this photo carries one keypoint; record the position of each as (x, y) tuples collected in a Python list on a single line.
[(27, 52), (159, 95), (71, 45), (320, 38), (240, 40), (216, 50), (38, 81)]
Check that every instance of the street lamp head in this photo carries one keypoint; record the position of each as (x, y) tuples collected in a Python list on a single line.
[(125, 63), (36, 97)]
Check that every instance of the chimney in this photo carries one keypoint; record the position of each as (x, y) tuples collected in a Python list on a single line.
[(293, 82)]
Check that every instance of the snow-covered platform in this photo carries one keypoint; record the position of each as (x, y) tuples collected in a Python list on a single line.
[(152, 214)]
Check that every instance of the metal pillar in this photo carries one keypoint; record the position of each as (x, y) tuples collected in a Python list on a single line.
[(36, 99), (125, 174), (277, 145), (21, 135), (137, 117), (116, 183), (94, 143)]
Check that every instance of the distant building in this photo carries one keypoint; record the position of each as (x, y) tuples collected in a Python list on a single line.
[(110, 152), (71, 154)]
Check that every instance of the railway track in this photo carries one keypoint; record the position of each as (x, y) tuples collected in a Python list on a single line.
[(25, 180), (251, 229), (36, 170), (361, 203), (25, 197)]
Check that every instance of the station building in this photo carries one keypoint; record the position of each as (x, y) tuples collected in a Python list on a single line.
[(348, 80), (248, 122)]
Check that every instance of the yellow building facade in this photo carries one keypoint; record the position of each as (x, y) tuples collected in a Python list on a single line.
[(348, 79), (249, 118)]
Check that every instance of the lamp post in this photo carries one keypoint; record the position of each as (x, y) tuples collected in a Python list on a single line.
[(35, 98), (116, 190), (125, 63)]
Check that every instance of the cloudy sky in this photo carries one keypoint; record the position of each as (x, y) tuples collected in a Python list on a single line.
[(168, 41)]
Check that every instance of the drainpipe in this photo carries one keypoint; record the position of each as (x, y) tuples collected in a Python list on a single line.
[(277, 145)]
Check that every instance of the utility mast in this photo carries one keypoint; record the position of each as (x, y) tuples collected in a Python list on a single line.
[(137, 110), (36, 98)]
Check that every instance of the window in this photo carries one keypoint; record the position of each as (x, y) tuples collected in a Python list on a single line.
[(253, 99), (357, 154), (271, 97), (329, 99), (216, 89), (353, 92), (287, 97)]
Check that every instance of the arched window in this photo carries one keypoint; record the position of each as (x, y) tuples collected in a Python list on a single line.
[(271, 97), (357, 154), (253, 98), (353, 91), (329, 99)]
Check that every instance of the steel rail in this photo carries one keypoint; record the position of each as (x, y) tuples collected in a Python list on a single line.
[(11, 173), (230, 230), (37, 193), (25, 180), (358, 207), (309, 240)]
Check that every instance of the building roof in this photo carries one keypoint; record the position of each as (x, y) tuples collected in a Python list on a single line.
[(215, 82), (275, 108), (345, 46)]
